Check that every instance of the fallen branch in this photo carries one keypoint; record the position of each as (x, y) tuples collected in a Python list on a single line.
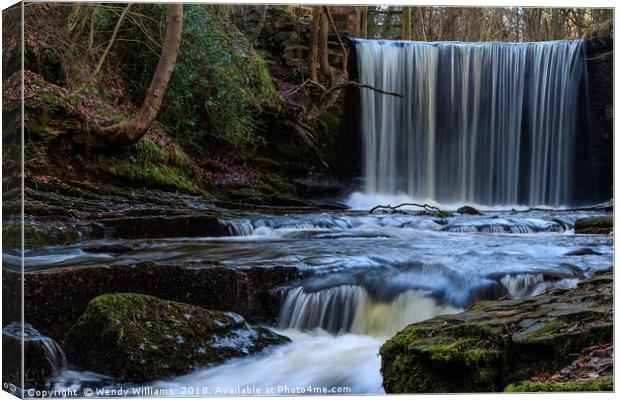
[(359, 85), (426, 207)]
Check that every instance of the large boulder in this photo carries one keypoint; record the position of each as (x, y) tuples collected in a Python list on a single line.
[(601, 225), (139, 338), (496, 343)]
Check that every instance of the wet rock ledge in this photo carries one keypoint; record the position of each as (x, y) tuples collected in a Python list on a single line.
[(54, 300), (558, 341)]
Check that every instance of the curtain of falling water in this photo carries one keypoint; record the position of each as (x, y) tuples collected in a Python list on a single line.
[(491, 123)]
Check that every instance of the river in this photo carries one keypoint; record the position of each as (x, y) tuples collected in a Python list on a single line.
[(366, 276)]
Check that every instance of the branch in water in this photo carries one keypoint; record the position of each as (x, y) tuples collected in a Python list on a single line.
[(427, 207)]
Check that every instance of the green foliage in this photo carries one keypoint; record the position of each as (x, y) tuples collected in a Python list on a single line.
[(220, 83)]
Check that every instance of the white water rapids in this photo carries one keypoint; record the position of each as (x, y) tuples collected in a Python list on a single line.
[(366, 277)]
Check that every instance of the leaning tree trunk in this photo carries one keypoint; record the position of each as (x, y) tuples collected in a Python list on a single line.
[(131, 130)]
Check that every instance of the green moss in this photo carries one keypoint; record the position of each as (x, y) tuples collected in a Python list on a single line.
[(149, 151), (138, 338), (155, 175), (601, 384), (37, 235), (118, 118), (148, 164), (488, 346), (48, 97)]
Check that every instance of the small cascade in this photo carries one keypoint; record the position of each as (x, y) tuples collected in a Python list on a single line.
[(490, 123), (521, 226), (331, 309), (44, 358), (349, 308), (239, 228), (527, 285)]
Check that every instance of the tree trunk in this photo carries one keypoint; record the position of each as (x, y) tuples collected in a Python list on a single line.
[(261, 23), (131, 130), (312, 48), (324, 46)]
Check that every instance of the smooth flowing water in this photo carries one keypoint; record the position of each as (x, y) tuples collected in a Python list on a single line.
[(366, 277), (490, 123)]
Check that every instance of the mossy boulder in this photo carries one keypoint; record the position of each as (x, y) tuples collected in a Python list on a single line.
[(138, 338), (469, 210), (601, 225), (496, 343)]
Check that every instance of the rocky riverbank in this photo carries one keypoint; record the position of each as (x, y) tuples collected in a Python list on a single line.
[(87, 310), (54, 300), (556, 341)]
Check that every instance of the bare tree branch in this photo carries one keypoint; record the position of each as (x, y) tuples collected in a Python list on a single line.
[(359, 85), (426, 207)]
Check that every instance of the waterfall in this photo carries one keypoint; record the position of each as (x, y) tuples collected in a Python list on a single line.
[(489, 123), (350, 308)]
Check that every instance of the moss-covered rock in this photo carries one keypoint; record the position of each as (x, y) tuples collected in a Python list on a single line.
[(469, 210), (496, 343), (37, 235), (246, 291), (605, 383), (601, 225), (592, 371), (139, 338)]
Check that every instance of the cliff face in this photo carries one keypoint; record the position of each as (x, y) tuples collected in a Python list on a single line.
[(594, 173)]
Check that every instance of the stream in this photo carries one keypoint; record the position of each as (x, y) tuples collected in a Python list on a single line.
[(366, 276)]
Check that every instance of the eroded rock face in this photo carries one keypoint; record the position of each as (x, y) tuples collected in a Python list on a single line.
[(54, 300), (164, 226), (594, 225), (496, 343), (139, 338)]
